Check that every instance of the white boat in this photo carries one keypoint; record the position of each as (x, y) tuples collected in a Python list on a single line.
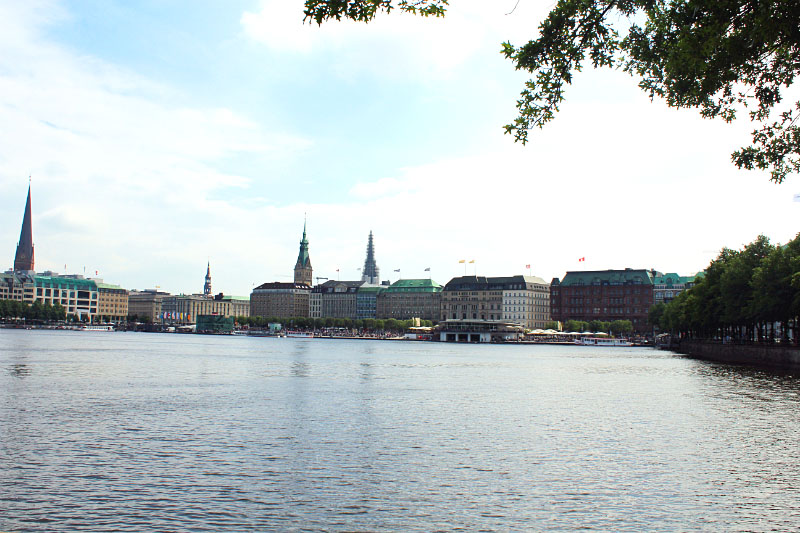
[(91, 327), (300, 334), (602, 341)]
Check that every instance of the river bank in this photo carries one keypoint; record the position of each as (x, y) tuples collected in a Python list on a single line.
[(787, 357)]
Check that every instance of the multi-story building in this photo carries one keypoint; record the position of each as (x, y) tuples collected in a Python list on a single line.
[(605, 295), (11, 286), (282, 300), (315, 302), (339, 299), (77, 295), (526, 301), (411, 298), (112, 301), (367, 301), (147, 303), (185, 308), (472, 298), (667, 286)]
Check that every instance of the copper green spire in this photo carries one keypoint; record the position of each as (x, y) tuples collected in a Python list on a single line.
[(302, 269), (23, 260)]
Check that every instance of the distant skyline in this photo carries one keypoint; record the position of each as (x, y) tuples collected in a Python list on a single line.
[(168, 135)]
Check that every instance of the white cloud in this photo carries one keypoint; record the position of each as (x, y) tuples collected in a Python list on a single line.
[(396, 47)]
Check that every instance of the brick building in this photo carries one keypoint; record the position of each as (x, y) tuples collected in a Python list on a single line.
[(605, 295)]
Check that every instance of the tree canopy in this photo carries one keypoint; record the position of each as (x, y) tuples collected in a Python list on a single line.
[(723, 57)]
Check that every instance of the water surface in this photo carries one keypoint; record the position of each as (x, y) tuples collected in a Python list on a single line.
[(135, 431)]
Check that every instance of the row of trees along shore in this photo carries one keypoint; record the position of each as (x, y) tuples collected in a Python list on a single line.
[(300, 322), (747, 295), (39, 312)]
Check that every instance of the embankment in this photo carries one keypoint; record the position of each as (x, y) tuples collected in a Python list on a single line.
[(742, 354)]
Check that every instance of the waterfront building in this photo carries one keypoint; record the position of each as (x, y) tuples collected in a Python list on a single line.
[(411, 298), (11, 286), (339, 298), (605, 295), (667, 286), (147, 303), (315, 302), (23, 259), (112, 301), (526, 300), (185, 308), (78, 296), (302, 268), (472, 298), (282, 300), (207, 285), (367, 301), (371, 274)]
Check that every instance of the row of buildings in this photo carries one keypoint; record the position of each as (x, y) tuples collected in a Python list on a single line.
[(527, 301)]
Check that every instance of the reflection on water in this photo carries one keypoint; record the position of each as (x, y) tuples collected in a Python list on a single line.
[(139, 432)]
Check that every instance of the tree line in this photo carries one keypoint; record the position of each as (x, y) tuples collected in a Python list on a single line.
[(13, 309), (752, 294), (370, 324)]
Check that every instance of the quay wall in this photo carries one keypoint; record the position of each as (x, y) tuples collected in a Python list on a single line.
[(742, 354)]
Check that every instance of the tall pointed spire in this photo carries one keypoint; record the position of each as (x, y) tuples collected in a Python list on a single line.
[(23, 260), (302, 269), (371, 273), (207, 286)]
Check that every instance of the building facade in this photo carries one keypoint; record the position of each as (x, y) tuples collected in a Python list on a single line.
[(77, 295), (185, 308), (472, 298), (367, 301), (147, 303), (339, 299), (526, 301), (411, 298), (667, 286), (112, 301), (605, 295), (282, 300)]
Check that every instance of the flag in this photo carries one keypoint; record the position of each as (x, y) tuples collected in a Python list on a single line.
[(397, 270), (471, 261), (528, 267), (337, 270), (462, 260), (796, 199), (582, 259), (428, 269)]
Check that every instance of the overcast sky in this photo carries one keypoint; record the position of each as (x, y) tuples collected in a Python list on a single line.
[(165, 135)]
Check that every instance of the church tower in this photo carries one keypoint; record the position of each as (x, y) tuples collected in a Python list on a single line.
[(23, 260), (302, 269), (371, 273), (207, 286)]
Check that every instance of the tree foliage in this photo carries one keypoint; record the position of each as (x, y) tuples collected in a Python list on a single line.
[(747, 295), (723, 57)]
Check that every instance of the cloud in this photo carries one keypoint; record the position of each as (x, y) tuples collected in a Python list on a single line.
[(395, 47)]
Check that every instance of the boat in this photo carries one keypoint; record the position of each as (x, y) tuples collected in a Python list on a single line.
[(92, 327), (602, 341), (300, 334)]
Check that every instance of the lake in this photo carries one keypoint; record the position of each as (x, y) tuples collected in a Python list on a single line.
[(168, 432)]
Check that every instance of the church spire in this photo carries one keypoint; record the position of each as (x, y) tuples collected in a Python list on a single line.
[(371, 273), (23, 260), (302, 269), (207, 286)]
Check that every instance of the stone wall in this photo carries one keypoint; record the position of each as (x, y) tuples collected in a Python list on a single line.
[(760, 355)]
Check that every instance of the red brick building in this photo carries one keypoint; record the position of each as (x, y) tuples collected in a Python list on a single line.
[(605, 295)]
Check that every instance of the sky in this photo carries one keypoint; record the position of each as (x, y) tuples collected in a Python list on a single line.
[(164, 134)]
